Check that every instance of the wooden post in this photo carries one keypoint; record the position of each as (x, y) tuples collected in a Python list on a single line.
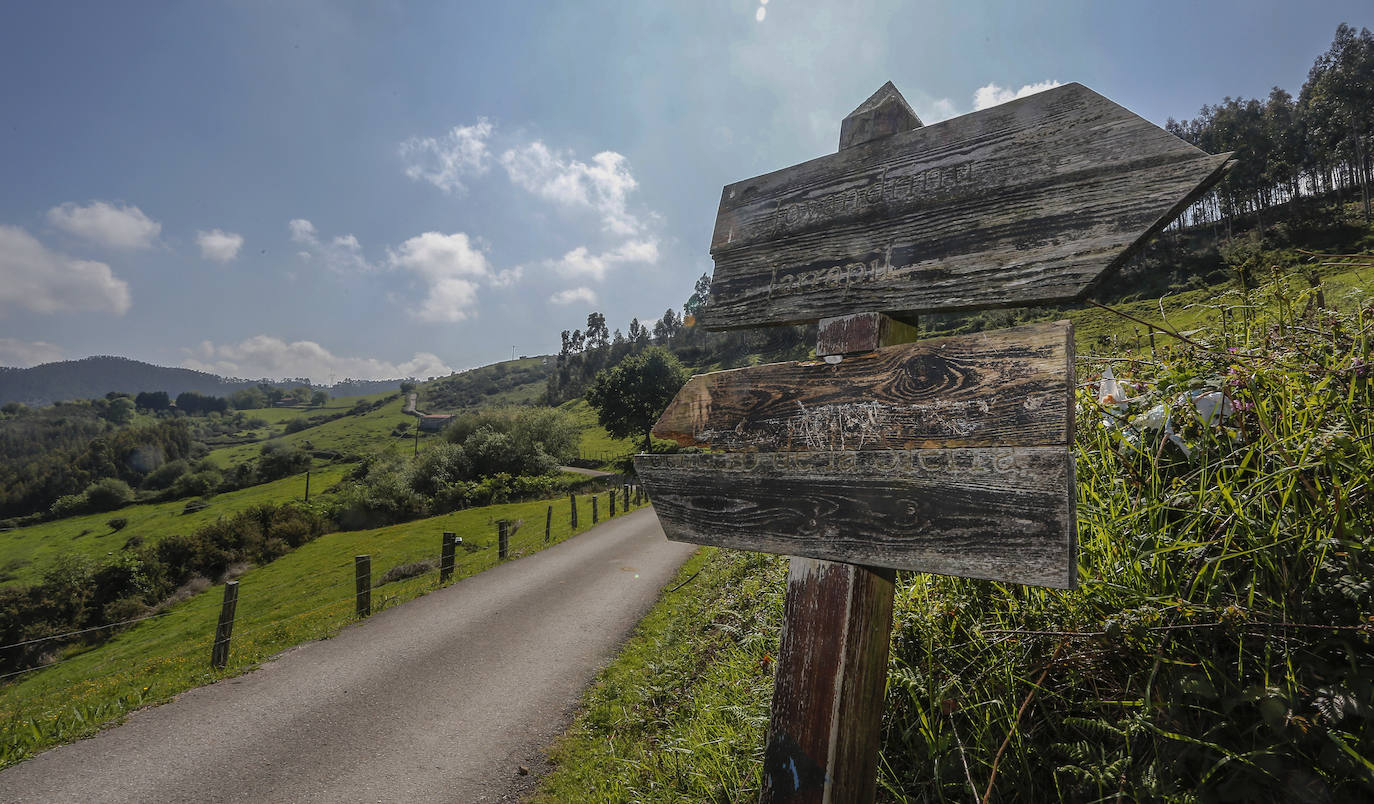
[(610, 503), (502, 539), (594, 514), (446, 556), (548, 524), (625, 495), (825, 731), (307, 485), (362, 584), (639, 494), (219, 654), (572, 503)]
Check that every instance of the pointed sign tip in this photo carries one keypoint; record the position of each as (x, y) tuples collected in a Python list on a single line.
[(885, 113)]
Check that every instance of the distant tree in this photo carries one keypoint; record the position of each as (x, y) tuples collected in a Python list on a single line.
[(301, 393), (630, 397), (248, 399), (597, 334), (107, 494), (667, 326), (318, 398), (121, 410), (153, 400), (407, 387), (638, 335)]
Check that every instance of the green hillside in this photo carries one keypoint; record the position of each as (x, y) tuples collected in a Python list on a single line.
[(29, 551)]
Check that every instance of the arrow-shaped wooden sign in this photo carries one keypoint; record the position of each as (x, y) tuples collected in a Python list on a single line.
[(1023, 203), (949, 455)]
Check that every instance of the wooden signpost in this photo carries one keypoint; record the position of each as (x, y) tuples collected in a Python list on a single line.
[(949, 455)]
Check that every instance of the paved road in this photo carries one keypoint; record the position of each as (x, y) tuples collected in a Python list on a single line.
[(443, 698), (577, 470)]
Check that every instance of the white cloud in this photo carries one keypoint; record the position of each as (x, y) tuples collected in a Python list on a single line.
[(274, 358), (44, 281), (23, 354), (341, 253), (937, 110), (571, 295), (601, 185), (507, 277), (992, 94), (302, 231), (760, 14), (582, 263), (124, 227), (218, 245), (447, 160), (451, 265)]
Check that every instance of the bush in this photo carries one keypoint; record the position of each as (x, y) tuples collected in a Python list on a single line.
[(118, 523), (298, 424), (107, 494), (403, 571), (166, 474), (197, 484)]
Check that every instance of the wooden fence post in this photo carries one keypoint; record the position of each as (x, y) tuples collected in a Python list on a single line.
[(548, 524), (446, 556), (219, 654), (610, 504), (594, 515), (625, 495), (502, 539), (639, 494), (362, 584), (572, 503)]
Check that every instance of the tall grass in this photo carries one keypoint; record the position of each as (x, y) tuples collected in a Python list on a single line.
[(1218, 647)]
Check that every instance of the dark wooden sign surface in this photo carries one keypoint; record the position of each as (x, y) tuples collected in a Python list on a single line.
[(948, 456), (1023, 203), (1004, 387)]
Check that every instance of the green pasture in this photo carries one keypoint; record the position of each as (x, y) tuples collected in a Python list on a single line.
[(27, 552)]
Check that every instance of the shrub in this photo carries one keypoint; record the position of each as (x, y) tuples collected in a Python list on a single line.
[(402, 571), (107, 494), (118, 523), (166, 474)]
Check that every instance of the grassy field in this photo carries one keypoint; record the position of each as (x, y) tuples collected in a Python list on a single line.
[(28, 551), (350, 435), (305, 595)]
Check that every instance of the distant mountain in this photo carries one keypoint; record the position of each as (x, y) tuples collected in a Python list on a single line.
[(96, 376)]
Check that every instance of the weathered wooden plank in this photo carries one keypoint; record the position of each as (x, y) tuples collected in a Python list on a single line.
[(1007, 387), (1003, 514), (1023, 203), (828, 694)]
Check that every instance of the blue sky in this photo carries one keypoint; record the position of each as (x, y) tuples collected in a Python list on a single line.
[(382, 189)]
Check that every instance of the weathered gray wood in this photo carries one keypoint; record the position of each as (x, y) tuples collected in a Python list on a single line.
[(1008, 387), (1004, 514), (447, 546), (362, 585), (610, 504), (827, 706), (594, 509), (572, 506), (502, 539), (1023, 203), (885, 113), (224, 629)]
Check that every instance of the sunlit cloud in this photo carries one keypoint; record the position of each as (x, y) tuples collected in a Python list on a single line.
[(36, 278), (274, 358), (219, 246), (115, 227), (992, 94), (448, 160)]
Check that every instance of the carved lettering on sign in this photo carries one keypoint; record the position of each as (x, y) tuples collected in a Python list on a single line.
[(890, 189)]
